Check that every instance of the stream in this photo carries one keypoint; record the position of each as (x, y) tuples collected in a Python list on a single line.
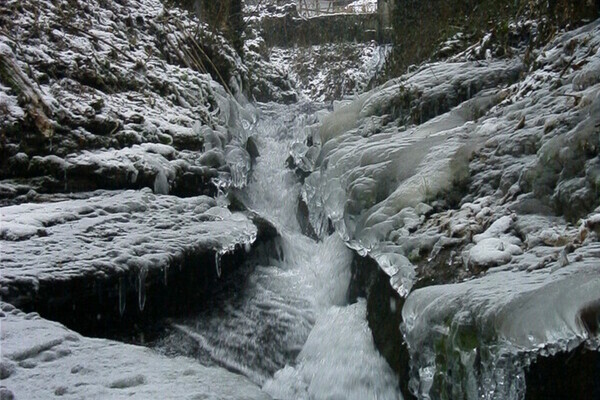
[(283, 319)]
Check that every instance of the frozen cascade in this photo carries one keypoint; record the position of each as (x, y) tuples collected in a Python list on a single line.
[(285, 322)]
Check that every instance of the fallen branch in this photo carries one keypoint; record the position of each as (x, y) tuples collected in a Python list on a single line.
[(30, 98)]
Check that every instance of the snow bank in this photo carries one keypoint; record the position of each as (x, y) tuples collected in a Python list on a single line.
[(50, 360)]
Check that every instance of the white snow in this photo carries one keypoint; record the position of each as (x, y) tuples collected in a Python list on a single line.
[(111, 232), (42, 359)]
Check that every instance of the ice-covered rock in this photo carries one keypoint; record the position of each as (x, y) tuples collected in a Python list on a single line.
[(505, 261), (498, 325), (370, 173)]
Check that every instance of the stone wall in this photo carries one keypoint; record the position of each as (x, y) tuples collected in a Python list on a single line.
[(290, 30)]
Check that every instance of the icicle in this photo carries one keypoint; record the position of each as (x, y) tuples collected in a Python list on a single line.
[(247, 247), (65, 177), (218, 263), (122, 295), (161, 183), (166, 275), (141, 281)]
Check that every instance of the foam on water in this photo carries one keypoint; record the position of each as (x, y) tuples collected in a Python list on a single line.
[(338, 361)]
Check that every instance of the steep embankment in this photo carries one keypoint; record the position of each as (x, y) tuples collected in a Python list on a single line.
[(472, 182), (120, 136)]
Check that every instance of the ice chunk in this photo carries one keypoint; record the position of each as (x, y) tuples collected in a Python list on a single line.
[(161, 184), (507, 317)]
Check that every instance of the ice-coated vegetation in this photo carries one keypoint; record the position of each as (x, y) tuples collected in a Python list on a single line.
[(333, 70)]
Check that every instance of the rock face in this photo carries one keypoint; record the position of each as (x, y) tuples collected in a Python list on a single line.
[(328, 72), (325, 67), (111, 247), (475, 182), (98, 368)]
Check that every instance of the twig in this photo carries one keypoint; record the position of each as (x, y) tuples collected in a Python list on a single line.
[(566, 67), (83, 31)]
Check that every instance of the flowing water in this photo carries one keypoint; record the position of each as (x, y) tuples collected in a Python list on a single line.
[(284, 320)]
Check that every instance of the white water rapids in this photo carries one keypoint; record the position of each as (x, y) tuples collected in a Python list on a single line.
[(284, 321)]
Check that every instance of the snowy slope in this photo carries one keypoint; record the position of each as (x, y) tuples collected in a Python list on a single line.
[(51, 360)]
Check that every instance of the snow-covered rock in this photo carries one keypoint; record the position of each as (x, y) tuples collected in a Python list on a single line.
[(102, 79), (43, 359), (111, 234), (331, 71)]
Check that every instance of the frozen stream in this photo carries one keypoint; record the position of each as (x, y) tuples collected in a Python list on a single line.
[(284, 321)]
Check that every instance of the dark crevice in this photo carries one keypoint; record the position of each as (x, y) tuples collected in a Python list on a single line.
[(384, 315), (572, 375)]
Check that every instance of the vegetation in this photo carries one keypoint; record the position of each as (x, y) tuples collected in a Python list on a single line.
[(421, 26), (224, 16)]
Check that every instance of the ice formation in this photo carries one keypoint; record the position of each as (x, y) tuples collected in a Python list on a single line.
[(480, 175), (111, 233)]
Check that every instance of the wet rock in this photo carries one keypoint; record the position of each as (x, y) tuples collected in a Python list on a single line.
[(252, 148), (18, 164), (384, 314), (7, 368), (6, 394)]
